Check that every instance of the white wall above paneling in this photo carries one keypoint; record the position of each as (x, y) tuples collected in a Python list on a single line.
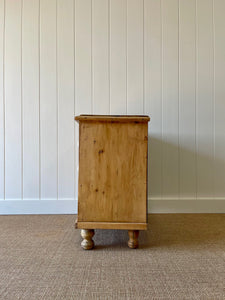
[(61, 58)]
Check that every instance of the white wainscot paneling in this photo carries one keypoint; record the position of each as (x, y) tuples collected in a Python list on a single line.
[(118, 48), (30, 98), (135, 30), (48, 101), (170, 101), (153, 92), (187, 98), (60, 58), (2, 104), (205, 99), (100, 56), (13, 100), (65, 94)]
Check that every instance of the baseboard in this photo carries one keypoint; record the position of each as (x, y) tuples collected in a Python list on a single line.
[(33, 207), (155, 205), (186, 205)]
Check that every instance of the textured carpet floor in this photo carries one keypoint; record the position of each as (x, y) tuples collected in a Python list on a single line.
[(180, 257)]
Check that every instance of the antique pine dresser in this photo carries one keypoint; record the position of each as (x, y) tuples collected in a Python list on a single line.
[(112, 185)]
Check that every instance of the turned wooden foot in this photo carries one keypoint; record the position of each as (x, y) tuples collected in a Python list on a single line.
[(133, 238), (87, 235)]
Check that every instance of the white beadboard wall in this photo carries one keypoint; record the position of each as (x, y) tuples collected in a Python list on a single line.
[(61, 58)]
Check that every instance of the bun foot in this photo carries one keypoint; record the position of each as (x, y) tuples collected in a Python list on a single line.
[(133, 238), (87, 235)]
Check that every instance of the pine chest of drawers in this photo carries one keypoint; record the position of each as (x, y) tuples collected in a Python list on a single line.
[(112, 185)]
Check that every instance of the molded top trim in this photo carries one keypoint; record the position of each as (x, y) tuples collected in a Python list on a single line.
[(113, 118)]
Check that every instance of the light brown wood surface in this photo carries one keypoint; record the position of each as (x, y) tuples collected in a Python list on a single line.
[(112, 188), (111, 225), (133, 238), (87, 235), (115, 118)]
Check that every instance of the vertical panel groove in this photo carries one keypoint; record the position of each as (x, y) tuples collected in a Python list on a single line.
[(186, 103), (196, 175), (143, 59), (92, 68), (109, 53), (162, 70), (214, 97), (21, 99), (74, 100), (4, 92), (205, 98), (30, 99), (178, 102), (135, 57), (161, 149), (57, 103), (48, 100), (219, 94), (152, 92), (170, 98), (65, 98), (117, 57), (126, 53), (100, 57), (196, 96), (92, 82), (13, 99), (39, 89)]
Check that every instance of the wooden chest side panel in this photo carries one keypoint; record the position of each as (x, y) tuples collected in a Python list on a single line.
[(112, 172)]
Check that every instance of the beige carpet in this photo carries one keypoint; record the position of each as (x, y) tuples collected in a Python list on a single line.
[(180, 257)]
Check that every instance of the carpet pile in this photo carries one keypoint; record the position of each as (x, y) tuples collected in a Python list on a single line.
[(181, 256)]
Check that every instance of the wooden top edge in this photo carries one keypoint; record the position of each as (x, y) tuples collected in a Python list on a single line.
[(113, 118)]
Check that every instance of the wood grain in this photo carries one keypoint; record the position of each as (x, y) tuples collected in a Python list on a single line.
[(112, 172), (115, 118), (87, 243), (111, 225), (133, 238)]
